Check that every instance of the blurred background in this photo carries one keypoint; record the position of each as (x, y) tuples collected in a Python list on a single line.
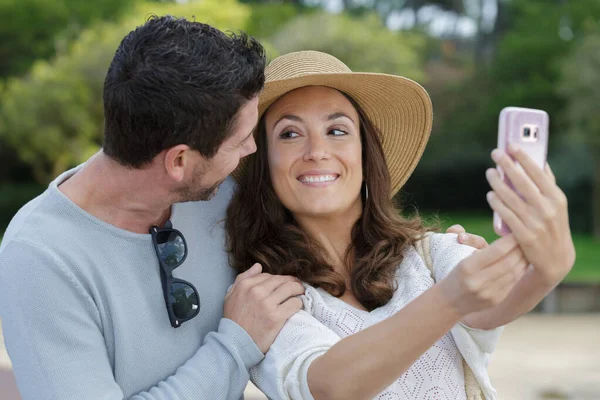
[(473, 56)]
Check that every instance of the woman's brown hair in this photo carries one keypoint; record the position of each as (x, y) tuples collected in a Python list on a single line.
[(260, 229)]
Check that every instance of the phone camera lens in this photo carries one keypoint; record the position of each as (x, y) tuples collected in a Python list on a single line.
[(527, 132)]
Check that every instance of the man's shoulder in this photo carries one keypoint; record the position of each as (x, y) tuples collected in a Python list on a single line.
[(227, 190), (23, 223)]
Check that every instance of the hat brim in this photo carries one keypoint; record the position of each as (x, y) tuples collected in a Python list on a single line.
[(398, 107)]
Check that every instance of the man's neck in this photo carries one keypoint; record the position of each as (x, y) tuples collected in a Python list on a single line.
[(130, 199)]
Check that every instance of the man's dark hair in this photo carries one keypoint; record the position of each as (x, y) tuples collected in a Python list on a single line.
[(174, 81)]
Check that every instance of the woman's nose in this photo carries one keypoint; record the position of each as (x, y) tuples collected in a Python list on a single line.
[(316, 148)]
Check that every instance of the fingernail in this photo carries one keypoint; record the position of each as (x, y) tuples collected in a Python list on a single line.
[(496, 154), (462, 237), (489, 195), (513, 148), (489, 172)]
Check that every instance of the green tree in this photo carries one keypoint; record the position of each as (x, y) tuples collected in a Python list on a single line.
[(581, 87), (34, 29), (524, 71), (53, 117), (364, 43), (270, 17), (527, 67)]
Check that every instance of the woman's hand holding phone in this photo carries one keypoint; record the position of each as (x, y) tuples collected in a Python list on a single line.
[(538, 218), (485, 278)]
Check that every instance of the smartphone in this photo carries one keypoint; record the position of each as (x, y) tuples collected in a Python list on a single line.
[(527, 128)]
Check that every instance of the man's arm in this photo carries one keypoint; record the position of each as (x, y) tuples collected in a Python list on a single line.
[(54, 336)]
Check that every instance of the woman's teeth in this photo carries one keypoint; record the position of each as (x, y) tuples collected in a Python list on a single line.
[(318, 179)]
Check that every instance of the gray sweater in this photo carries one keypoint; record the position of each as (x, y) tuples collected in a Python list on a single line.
[(83, 311)]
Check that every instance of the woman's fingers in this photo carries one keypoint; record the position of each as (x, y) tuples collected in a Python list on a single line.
[(507, 195), (488, 256), (532, 169), (518, 178), (519, 228), (505, 265)]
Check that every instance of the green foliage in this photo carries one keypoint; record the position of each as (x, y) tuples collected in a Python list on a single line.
[(53, 117), (364, 44), (12, 198), (34, 29), (226, 15), (527, 68), (268, 18), (588, 252), (581, 87), (526, 71)]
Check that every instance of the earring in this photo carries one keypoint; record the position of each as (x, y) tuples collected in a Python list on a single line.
[(366, 192)]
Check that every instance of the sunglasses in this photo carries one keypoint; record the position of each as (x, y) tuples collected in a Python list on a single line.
[(181, 297)]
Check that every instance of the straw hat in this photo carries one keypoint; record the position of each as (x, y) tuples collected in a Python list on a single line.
[(399, 108)]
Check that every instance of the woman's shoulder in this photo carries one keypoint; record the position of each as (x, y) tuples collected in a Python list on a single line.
[(436, 249), (446, 244), (436, 243), (431, 242), (445, 252)]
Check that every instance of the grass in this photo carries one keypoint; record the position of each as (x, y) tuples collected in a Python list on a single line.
[(587, 265)]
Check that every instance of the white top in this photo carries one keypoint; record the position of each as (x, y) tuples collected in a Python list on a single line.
[(324, 320)]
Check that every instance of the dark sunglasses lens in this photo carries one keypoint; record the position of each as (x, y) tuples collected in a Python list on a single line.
[(171, 247), (184, 301)]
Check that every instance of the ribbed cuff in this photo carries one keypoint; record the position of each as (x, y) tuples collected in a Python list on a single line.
[(247, 348)]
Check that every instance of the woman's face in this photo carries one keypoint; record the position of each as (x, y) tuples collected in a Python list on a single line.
[(314, 152)]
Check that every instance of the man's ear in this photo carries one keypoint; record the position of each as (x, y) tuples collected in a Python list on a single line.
[(177, 160)]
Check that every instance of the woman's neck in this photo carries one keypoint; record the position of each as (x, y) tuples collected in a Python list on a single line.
[(333, 233)]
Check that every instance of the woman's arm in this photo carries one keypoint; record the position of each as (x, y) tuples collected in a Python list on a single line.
[(528, 292), (362, 365), (540, 223), (308, 361)]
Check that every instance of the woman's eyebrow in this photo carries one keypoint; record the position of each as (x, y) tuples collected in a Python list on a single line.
[(291, 117), (337, 115)]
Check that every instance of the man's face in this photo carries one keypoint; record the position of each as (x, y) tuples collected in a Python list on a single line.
[(210, 173)]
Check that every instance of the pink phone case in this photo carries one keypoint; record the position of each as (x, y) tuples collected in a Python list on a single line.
[(512, 128)]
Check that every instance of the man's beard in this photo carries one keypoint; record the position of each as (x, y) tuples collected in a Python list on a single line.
[(196, 191)]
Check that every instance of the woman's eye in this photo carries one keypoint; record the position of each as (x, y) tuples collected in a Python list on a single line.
[(288, 135), (337, 132)]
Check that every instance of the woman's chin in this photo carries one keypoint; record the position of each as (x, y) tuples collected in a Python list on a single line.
[(325, 209)]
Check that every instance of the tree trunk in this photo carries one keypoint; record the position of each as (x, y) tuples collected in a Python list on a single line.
[(481, 38), (487, 43)]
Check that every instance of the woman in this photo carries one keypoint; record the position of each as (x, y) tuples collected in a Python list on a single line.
[(315, 202)]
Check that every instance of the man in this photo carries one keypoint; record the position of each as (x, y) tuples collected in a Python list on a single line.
[(83, 307), (99, 297)]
